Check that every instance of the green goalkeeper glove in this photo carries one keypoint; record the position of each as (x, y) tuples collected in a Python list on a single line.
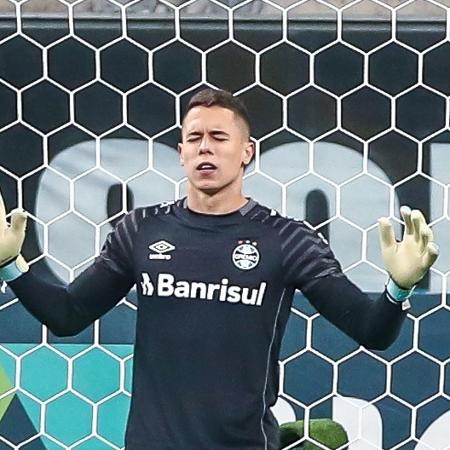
[(407, 261), (12, 263)]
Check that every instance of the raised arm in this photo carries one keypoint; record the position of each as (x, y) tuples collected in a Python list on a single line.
[(372, 323), (67, 310)]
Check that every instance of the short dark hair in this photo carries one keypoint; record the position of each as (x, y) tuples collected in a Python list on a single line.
[(218, 97)]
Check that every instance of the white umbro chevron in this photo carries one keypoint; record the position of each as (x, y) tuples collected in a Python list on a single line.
[(161, 248)]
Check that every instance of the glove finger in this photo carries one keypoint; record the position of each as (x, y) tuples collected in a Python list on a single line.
[(430, 233), (426, 237), (419, 223), (430, 255), (386, 232), (18, 221), (405, 212)]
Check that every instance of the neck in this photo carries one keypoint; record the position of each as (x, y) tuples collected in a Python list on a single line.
[(220, 202)]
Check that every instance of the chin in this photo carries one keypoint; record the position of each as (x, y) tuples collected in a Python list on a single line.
[(210, 187), (210, 190)]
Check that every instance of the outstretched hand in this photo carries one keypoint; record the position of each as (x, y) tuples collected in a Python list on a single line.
[(11, 236), (408, 261)]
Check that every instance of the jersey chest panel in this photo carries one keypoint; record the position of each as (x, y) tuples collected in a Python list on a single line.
[(211, 291), (238, 265)]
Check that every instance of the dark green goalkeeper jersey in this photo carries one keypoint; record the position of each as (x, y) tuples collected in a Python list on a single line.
[(214, 295)]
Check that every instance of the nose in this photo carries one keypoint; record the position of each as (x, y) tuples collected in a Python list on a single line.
[(204, 146)]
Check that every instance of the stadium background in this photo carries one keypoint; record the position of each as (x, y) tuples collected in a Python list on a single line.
[(351, 114)]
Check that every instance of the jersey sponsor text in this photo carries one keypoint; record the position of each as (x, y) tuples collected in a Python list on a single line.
[(168, 286)]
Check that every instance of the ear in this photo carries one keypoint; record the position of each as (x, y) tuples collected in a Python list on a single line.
[(248, 152), (180, 151)]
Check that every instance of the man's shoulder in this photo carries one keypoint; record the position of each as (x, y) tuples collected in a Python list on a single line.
[(134, 217), (157, 209), (274, 218)]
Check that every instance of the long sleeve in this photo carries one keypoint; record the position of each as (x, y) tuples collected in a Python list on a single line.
[(375, 324), (67, 310), (311, 266)]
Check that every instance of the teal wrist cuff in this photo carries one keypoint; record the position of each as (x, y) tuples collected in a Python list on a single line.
[(10, 272), (397, 293)]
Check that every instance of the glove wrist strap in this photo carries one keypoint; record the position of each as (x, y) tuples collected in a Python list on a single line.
[(14, 269), (397, 293)]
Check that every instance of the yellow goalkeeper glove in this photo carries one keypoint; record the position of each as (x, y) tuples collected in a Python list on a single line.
[(407, 261), (12, 263)]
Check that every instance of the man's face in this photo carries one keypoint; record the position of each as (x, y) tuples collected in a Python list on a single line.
[(215, 148)]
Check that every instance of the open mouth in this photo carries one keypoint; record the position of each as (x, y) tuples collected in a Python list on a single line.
[(206, 167)]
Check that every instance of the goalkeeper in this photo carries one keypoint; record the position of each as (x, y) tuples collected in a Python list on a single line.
[(215, 274)]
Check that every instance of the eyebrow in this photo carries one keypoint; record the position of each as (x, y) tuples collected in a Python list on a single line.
[(215, 132)]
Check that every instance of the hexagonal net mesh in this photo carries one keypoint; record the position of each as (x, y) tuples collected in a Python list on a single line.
[(349, 101)]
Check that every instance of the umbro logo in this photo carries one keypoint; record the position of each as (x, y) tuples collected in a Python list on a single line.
[(160, 249)]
